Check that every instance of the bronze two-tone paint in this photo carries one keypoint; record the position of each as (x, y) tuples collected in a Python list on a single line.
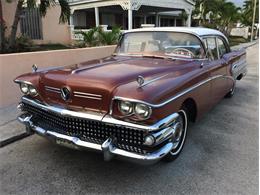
[(92, 90)]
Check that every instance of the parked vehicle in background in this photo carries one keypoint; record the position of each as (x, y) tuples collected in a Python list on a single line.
[(137, 103)]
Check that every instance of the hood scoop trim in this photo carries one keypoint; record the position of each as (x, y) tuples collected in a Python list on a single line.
[(141, 80)]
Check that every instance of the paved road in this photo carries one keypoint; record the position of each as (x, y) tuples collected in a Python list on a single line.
[(220, 157)]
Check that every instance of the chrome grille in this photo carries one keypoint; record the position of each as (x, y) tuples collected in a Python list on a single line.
[(88, 130)]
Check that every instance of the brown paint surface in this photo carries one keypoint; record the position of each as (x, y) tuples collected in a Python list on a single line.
[(116, 76)]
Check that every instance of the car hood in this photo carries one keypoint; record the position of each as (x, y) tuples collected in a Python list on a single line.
[(93, 84)]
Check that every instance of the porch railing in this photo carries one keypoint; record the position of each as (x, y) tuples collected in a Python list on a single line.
[(75, 33)]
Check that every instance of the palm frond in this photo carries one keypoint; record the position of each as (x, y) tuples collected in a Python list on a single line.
[(90, 37), (64, 7), (31, 4), (65, 11)]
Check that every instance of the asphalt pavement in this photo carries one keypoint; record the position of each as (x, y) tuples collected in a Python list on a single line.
[(220, 157)]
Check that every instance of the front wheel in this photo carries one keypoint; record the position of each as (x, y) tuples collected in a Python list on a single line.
[(179, 136)]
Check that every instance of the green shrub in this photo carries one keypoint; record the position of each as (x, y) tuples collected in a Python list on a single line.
[(97, 36), (109, 37), (90, 38)]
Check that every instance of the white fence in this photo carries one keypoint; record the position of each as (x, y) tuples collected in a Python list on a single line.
[(240, 32)]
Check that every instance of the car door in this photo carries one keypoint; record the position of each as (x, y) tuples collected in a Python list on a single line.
[(217, 70), (224, 52)]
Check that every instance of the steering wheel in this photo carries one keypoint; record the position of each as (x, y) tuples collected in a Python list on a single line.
[(183, 49)]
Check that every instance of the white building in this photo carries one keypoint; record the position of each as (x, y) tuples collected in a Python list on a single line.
[(128, 14), (86, 14)]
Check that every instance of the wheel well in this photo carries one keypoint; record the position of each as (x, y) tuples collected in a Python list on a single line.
[(240, 77), (192, 109)]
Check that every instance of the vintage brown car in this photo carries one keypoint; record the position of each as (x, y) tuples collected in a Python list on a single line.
[(137, 103)]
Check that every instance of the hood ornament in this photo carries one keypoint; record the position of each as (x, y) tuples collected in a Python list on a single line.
[(140, 80), (34, 68)]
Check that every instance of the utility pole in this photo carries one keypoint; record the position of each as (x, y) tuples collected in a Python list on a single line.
[(253, 21)]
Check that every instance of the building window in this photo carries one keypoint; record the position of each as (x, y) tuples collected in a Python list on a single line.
[(31, 24), (179, 22), (167, 22), (150, 20), (108, 19)]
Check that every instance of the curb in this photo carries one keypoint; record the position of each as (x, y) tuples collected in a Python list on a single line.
[(245, 47), (255, 42), (13, 139)]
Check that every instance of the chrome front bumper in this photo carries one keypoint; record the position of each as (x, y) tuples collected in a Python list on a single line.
[(160, 131), (108, 148)]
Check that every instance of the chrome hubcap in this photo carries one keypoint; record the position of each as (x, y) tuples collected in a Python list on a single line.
[(180, 133)]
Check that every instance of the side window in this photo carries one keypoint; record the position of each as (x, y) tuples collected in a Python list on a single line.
[(221, 47), (212, 48)]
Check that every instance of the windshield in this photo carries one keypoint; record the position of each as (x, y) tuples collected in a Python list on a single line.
[(161, 44)]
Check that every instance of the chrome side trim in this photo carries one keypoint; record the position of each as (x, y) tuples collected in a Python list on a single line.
[(108, 148), (87, 94), (88, 97), (174, 97), (102, 117), (52, 89), (20, 81)]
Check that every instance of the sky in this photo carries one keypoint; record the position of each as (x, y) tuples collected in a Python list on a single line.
[(238, 3)]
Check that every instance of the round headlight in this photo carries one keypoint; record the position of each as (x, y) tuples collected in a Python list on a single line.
[(142, 111), (32, 91), (24, 88), (125, 107)]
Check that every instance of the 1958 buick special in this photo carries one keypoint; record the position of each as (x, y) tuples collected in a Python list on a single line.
[(137, 103)]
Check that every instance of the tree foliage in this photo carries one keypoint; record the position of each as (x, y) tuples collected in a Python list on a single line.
[(43, 5), (247, 12), (218, 14)]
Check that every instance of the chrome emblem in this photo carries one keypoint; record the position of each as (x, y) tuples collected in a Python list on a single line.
[(65, 93)]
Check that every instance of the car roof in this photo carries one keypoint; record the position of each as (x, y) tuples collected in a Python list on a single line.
[(198, 31)]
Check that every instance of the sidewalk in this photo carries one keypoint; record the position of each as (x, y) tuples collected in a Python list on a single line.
[(244, 45), (11, 130)]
